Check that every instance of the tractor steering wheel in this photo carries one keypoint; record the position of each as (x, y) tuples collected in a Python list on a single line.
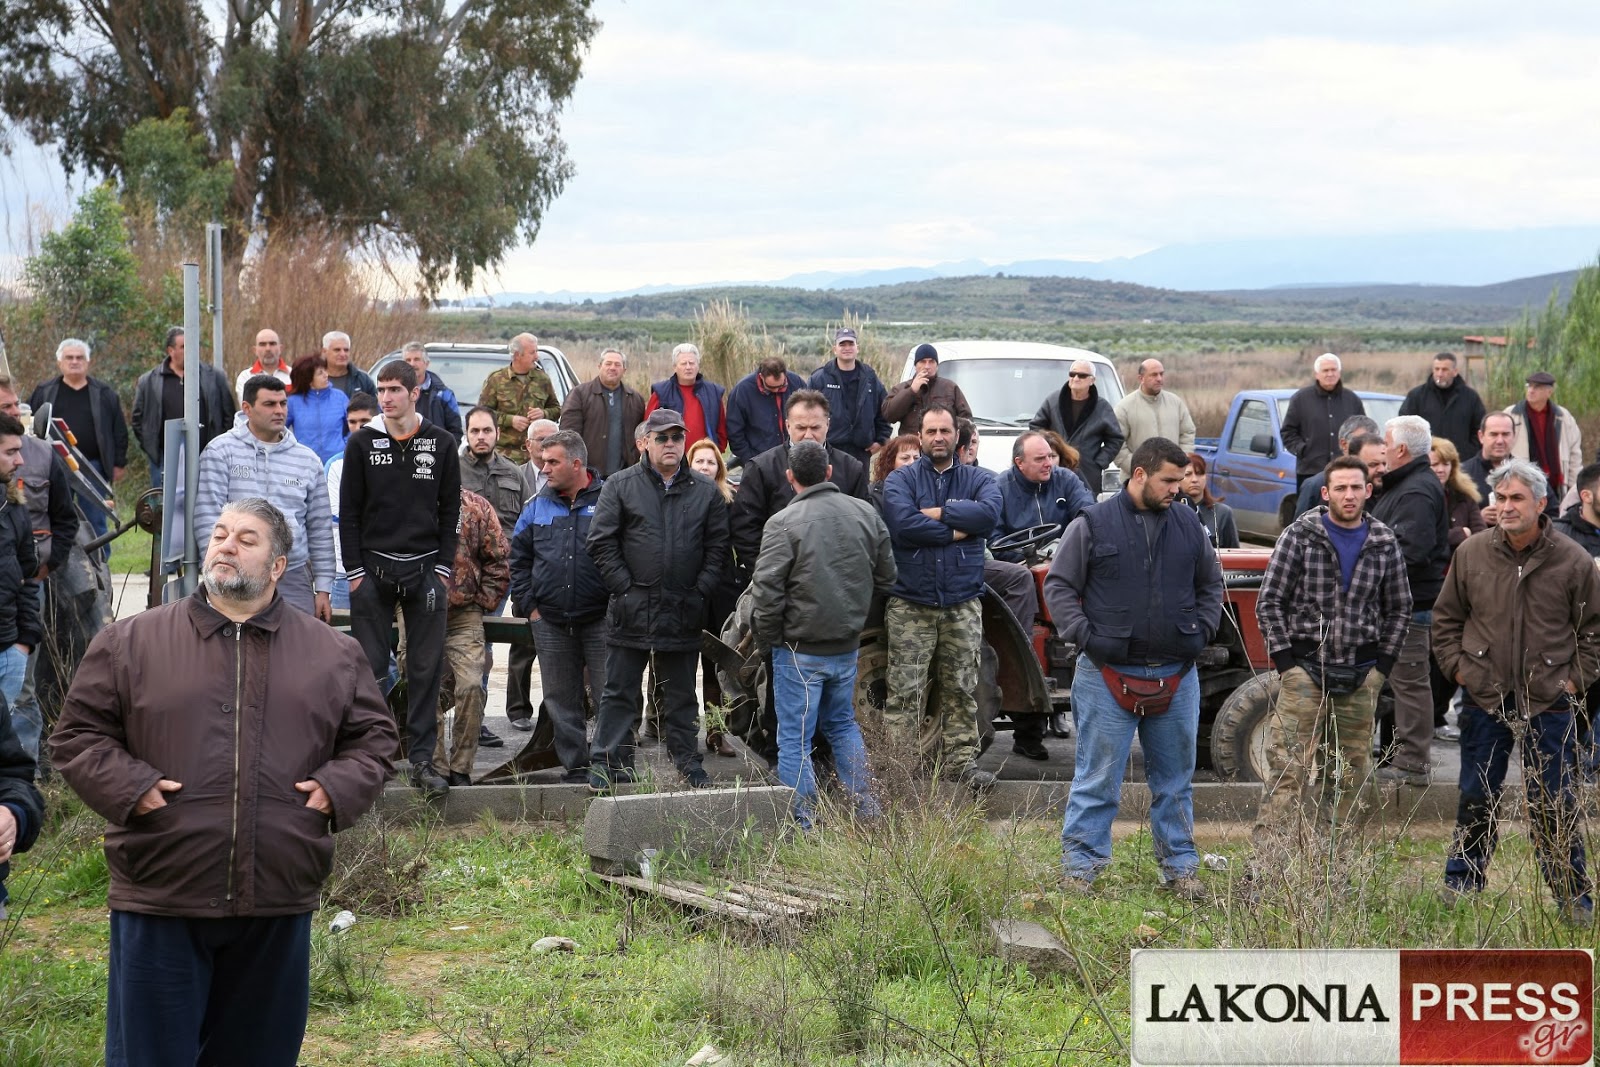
[(1022, 540)]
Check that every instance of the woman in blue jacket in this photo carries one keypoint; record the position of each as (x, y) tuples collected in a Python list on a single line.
[(316, 409)]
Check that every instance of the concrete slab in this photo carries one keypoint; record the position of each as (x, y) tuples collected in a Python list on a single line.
[(704, 823), (1033, 946)]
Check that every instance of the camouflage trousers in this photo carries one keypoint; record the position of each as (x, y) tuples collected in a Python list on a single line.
[(461, 684), (937, 649), (1302, 719)]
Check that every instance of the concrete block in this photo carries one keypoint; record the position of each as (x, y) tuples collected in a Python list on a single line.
[(702, 823), (1028, 943)]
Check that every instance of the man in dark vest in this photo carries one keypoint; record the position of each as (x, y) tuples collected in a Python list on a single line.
[(696, 398), (1137, 587)]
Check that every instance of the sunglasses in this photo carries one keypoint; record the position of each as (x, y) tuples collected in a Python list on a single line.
[(668, 436), (1078, 374)]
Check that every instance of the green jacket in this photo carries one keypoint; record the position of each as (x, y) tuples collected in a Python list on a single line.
[(509, 395)]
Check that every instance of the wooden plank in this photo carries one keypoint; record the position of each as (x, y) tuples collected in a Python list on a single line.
[(689, 898)]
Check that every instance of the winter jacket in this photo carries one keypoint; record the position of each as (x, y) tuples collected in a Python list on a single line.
[(1098, 436), (1454, 413), (353, 382), (822, 560), (317, 419), (1466, 518), (400, 499), (1517, 625), (1305, 612), (755, 415), (586, 413), (217, 407), (764, 491), (19, 593), (502, 483), (1142, 417), (438, 405), (1222, 530), (1125, 596), (714, 420), (1412, 504), (551, 569), (509, 395), (853, 429), (1311, 425), (933, 567), (1025, 503), (17, 791), (110, 428), (1572, 524), (1569, 447), (906, 406), (482, 571), (661, 551), (288, 476), (238, 713), (48, 492), (1478, 469)]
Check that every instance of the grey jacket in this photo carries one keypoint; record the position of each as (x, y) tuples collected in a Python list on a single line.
[(822, 559)]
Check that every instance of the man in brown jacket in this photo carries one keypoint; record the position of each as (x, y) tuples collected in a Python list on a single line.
[(479, 582), (907, 401), (1518, 628), (604, 412), (222, 792)]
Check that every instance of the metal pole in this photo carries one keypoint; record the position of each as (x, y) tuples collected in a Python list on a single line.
[(189, 579), (214, 262)]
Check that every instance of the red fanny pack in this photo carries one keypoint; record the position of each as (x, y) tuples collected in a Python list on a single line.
[(1141, 696)]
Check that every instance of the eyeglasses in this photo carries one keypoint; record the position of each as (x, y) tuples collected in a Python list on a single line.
[(668, 436), (1078, 374)]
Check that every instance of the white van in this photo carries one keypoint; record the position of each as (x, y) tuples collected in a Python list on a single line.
[(1006, 381)]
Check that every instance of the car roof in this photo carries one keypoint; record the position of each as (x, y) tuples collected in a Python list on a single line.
[(1284, 394), (959, 350)]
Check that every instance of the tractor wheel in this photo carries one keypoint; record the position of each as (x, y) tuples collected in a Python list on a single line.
[(872, 682), (1242, 732)]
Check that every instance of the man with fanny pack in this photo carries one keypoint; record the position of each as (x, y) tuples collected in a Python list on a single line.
[(399, 504), (1137, 587), (1334, 606)]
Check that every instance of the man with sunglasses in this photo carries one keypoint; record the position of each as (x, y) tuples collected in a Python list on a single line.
[(855, 398), (659, 537), (1085, 420)]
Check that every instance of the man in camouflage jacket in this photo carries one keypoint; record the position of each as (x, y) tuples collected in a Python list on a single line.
[(519, 394), (478, 583)]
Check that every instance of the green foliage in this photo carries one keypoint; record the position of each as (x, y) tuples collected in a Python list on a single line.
[(166, 177), (84, 272), (1562, 338)]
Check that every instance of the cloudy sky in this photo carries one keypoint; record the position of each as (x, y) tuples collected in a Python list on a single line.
[(723, 140)]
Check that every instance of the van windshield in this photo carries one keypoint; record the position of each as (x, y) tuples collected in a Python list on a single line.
[(1010, 390)]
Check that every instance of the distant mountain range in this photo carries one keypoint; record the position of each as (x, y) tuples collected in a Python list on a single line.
[(1424, 265)]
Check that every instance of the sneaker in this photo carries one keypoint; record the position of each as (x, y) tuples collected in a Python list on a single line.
[(979, 781), (525, 724), (429, 782), (1034, 750), (698, 779), (487, 738), (1187, 887), (1392, 773), (456, 778), (603, 779)]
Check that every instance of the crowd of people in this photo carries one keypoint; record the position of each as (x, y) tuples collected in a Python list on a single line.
[(610, 522)]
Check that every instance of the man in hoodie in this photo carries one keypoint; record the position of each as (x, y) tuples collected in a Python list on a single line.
[(437, 403), (1085, 420), (259, 457)]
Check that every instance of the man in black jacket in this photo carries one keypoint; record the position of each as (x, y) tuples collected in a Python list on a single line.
[(764, 490), (399, 513), (21, 806), (1311, 425), (855, 394), (553, 574), (1412, 504), (660, 539), (1453, 408), (89, 406), (1085, 420), (158, 399)]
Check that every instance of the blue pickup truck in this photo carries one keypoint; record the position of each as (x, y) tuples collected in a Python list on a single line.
[(1251, 469)]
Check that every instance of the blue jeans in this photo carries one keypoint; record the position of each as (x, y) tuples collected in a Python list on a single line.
[(27, 718), (1105, 737), (811, 694), (1549, 753), (339, 596)]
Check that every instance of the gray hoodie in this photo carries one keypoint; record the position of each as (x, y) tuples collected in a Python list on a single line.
[(288, 474)]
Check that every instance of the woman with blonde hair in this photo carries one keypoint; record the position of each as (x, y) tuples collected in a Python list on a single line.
[(705, 457), (1460, 493)]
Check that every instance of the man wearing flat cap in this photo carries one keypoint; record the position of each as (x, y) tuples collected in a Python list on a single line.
[(1545, 433), (855, 395), (659, 538), (908, 401)]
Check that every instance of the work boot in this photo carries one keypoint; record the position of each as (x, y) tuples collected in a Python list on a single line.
[(487, 738), (980, 781), (1033, 750), (1187, 887), (428, 781)]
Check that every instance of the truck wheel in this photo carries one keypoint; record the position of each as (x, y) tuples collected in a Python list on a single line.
[(1242, 732)]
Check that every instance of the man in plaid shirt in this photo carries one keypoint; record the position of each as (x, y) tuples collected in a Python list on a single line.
[(1334, 606)]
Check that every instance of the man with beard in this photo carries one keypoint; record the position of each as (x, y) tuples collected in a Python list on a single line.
[(223, 737), (1137, 587), (1085, 420)]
